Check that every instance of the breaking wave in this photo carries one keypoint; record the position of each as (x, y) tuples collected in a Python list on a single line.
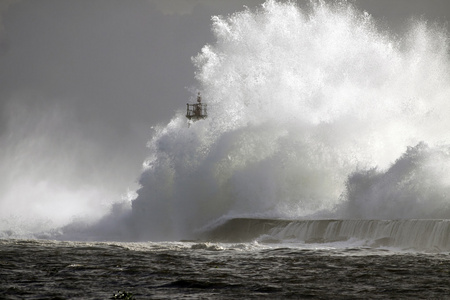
[(313, 113)]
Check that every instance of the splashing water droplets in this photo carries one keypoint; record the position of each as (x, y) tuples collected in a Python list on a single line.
[(301, 104)]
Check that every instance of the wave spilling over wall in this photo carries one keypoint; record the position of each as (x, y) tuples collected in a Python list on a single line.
[(428, 235)]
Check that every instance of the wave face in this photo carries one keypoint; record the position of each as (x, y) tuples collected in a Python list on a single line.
[(310, 114), (429, 235)]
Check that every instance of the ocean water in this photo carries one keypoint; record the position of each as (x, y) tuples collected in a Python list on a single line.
[(322, 171), (44, 269), (260, 269), (241, 258)]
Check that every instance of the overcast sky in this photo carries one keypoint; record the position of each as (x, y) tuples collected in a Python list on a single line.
[(90, 77)]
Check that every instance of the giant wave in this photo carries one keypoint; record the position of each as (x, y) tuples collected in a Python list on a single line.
[(314, 113)]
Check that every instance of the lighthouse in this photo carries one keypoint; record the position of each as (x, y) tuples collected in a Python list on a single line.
[(197, 110)]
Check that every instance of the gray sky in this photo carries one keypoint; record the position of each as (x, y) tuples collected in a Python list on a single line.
[(83, 81)]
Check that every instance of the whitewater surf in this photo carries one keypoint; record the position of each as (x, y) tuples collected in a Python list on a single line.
[(312, 114)]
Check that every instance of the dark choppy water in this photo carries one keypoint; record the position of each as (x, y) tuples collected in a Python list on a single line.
[(36, 269)]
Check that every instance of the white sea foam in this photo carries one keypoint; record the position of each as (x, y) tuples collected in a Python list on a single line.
[(308, 112)]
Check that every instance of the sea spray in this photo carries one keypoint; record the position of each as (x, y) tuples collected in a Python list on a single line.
[(41, 186), (298, 101), (417, 185)]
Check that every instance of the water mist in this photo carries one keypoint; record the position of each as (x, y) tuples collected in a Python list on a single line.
[(48, 176)]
